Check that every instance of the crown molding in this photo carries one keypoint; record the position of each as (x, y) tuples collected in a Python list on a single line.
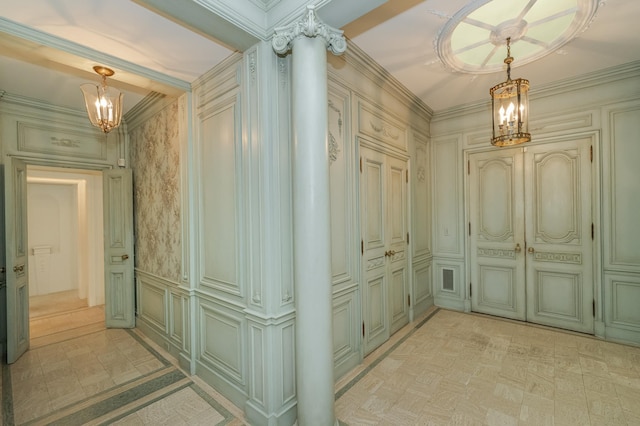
[(595, 78), (82, 53), (24, 101), (375, 72)]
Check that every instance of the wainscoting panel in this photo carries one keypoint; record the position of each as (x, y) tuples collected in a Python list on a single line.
[(422, 288), (346, 331), (162, 312), (622, 299), (222, 338)]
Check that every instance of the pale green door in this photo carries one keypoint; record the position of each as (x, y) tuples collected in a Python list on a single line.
[(383, 212), (497, 233), (558, 185), (118, 249), (17, 252), (530, 233)]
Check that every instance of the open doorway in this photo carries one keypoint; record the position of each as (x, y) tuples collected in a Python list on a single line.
[(66, 253)]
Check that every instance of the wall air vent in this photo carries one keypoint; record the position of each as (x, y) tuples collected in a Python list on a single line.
[(447, 279)]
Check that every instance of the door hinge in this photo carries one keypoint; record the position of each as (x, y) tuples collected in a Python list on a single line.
[(363, 329), (594, 308), (469, 289), (468, 167), (591, 153), (362, 247), (407, 174), (592, 232), (408, 300), (360, 164), (407, 238), (469, 228)]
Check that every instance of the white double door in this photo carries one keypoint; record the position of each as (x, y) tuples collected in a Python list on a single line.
[(531, 234), (384, 221)]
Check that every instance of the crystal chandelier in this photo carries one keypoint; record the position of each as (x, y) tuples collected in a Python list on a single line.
[(510, 108), (104, 104)]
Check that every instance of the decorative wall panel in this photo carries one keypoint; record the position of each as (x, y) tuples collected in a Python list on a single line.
[(421, 209), (622, 189), (51, 139), (446, 201), (221, 342), (622, 300), (375, 123), (153, 306), (155, 160), (341, 187), (221, 219)]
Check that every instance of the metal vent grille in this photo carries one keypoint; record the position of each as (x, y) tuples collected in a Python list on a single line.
[(447, 279)]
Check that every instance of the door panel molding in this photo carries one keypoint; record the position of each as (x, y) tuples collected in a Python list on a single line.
[(544, 273)]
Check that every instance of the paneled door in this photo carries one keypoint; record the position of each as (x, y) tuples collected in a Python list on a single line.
[(559, 229), (497, 233), (17, 252), (118, 249), (530, 234), (383, 195)]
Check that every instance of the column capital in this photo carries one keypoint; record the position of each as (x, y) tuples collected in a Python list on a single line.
[(309, 26)]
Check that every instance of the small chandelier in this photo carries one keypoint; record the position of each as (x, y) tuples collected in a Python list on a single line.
[(510, 108), (104, 104)]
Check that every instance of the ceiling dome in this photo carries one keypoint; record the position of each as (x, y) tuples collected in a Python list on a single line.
[(473, 40)]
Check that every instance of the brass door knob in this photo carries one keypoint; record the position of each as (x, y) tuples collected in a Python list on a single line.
[(530, 250), (125, 256), (518, 249), (19, 268)]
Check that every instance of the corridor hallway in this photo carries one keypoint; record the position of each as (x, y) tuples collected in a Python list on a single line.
[(445, 368)]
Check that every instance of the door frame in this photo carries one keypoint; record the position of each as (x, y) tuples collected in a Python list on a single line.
[(596, 214), (31, 161), (370, 144)]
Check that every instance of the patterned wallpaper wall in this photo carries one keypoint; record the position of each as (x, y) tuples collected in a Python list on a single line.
[(155, 160)]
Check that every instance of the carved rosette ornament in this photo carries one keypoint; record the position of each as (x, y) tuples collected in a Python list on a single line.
[(309, 26)]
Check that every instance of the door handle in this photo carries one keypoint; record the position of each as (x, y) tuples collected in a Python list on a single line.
[(389, 253), (125, 256), (3, 269), (530, 250), (18, 268), (518, 249)]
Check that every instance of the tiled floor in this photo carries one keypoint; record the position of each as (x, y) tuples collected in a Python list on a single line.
[(447, 368), (465, 369)]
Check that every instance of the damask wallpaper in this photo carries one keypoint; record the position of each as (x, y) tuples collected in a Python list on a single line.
[(155, 160)]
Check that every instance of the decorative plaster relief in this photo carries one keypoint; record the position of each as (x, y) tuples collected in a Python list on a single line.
[(487, 252), (374, 263), (543, 256), (66, 142), (309, 26), (384, 130), (51, 139)]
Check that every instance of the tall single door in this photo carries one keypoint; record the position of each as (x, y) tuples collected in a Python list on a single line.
[(497, 233), (558, 184), (17, 256), (118, 249), (383, 195)]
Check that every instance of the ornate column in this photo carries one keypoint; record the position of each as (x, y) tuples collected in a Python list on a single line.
[(308, 38)]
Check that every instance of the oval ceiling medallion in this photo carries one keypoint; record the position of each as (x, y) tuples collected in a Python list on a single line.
[(473, 40)]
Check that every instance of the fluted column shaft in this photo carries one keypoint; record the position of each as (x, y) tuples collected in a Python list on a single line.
[(308, 40)]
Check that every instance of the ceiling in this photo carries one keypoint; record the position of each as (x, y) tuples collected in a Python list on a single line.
[(47, 48)]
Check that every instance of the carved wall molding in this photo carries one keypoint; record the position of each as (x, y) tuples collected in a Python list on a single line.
[(486, 252), (384, 130), (309, 26), (543, 256)]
